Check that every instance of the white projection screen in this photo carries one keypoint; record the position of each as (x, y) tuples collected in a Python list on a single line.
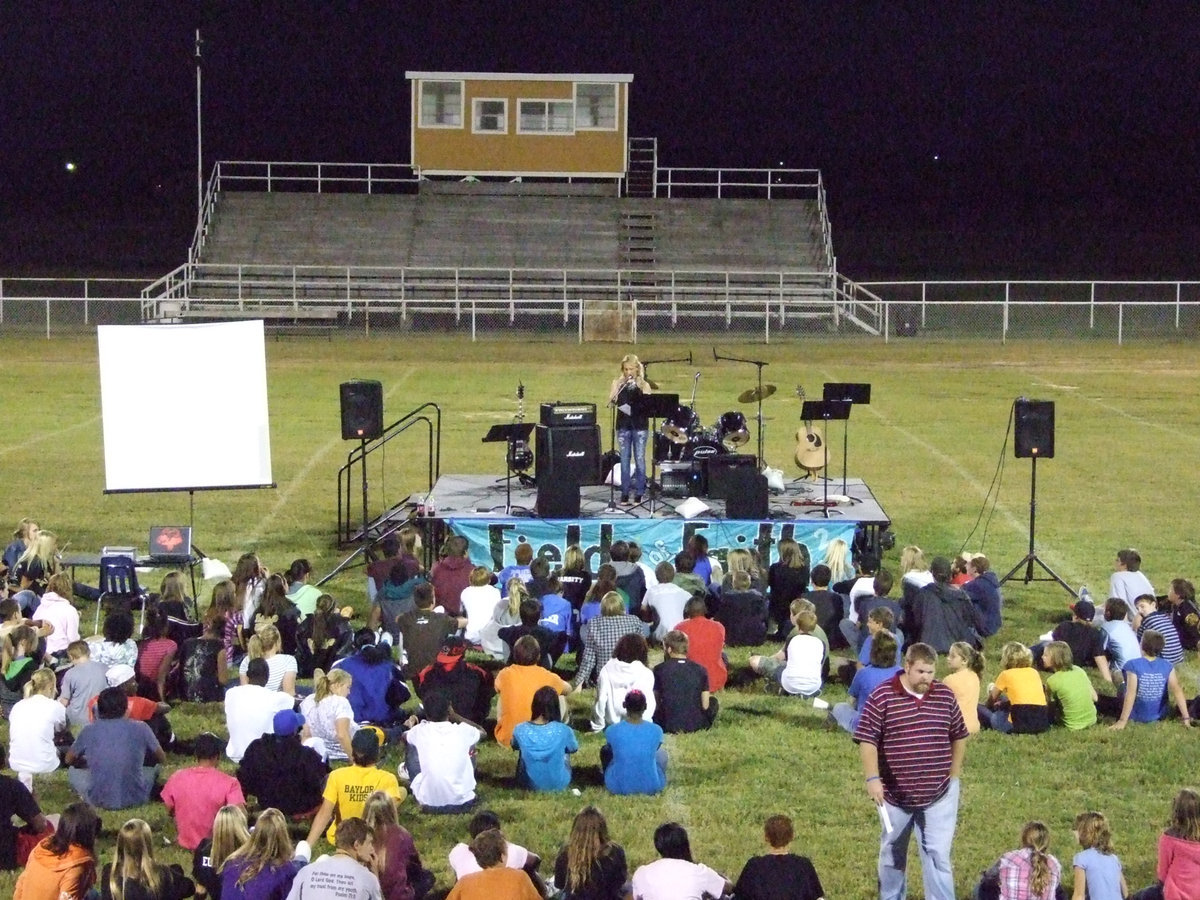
[(155, 377)]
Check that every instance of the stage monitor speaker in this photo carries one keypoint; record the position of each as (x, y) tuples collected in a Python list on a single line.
[(557, 498), (745, 492), (362, 410), (1034, 428), (568, 454)]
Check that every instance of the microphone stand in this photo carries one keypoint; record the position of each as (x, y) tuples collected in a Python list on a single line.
[(652, 486), (759, 363)]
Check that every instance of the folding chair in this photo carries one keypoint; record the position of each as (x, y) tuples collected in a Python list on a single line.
[(118, 581)]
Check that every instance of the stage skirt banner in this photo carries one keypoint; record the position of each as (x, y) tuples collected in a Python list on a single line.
[(494, 542)]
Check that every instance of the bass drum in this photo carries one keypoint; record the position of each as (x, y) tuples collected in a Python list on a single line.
[(681, 425), (704, 446), (731, 430)]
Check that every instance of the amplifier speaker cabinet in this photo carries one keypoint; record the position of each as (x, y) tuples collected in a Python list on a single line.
[(557, 498), (1034, 428), (743, 489), (568, 454), (362, 410), (569, 415)]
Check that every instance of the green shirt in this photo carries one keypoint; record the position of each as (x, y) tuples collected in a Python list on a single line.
[(1072, 690)]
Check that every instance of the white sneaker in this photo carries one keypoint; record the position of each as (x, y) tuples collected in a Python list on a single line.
[(402, 773)]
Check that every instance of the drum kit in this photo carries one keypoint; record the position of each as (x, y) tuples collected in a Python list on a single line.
[(682, 436)]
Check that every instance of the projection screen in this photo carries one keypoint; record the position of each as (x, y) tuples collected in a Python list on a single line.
[(154, 378)]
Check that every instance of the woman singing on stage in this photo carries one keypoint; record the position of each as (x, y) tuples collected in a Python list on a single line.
[(631, 430)]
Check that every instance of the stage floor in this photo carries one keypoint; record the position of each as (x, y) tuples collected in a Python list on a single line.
[(475, 507), (483, 497)]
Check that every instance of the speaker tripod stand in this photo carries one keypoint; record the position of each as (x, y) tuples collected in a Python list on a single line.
[(1031, 558)]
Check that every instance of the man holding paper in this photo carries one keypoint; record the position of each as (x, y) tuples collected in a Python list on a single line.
[(912, 739)]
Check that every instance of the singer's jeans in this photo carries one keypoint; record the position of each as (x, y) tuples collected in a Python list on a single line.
[(632, 445)]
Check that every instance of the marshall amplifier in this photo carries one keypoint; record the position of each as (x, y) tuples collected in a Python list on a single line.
[(568, 414), (567, 454)]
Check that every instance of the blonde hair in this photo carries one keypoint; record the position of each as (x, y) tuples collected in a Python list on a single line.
[(1093, 831), (38, 683), (632, 358), (912, 559), (480, 576), (793, 554), (1036, 836), (972, 657), (1015, 655), (60, 583), (612, 604), (516, 593), (269, 845), (837, 557), (134, 859), (378, 813), (21, 532), (740, 561), (44, 549), (1057, 656), (229, 834), (327, 682), (573, 559), (265, 638), (172, 588)]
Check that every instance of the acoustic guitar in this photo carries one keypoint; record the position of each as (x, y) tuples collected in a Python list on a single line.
[(811, 452)]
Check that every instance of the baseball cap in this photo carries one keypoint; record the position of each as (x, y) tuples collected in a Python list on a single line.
[(288, 721), (1085, 609), (119, 674)]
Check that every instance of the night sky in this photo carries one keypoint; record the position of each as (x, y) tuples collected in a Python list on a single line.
[(956, 139)]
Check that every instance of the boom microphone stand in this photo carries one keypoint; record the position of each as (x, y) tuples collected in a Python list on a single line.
[(759, 392)]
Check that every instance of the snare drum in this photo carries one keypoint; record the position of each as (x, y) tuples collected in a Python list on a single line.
[(731, 430), (680, 425)]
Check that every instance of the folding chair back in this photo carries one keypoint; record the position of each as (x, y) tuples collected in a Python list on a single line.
[(118, 581)]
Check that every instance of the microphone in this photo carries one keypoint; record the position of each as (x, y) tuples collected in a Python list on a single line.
[(697, 378)]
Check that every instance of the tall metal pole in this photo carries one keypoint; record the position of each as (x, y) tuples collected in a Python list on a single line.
[(199, 136)]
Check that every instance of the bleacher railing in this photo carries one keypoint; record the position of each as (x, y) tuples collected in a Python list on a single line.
[(515, 301)]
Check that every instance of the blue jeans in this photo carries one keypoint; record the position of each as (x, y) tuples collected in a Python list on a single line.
[(935, 834), (632, 445)]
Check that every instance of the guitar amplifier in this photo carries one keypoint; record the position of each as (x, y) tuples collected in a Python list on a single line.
[(558, 414), (568, 454)]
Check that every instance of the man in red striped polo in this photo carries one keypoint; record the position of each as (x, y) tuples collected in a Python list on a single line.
[(912, 740)]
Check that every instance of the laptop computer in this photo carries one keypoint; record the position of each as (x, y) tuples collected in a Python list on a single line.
[(171, 544)]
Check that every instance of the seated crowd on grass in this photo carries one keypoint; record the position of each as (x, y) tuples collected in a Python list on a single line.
[(310, 754)]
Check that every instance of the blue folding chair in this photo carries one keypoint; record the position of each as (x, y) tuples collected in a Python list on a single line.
[(118, 582)]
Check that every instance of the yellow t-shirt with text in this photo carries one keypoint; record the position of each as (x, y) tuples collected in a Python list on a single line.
[(349, 787)]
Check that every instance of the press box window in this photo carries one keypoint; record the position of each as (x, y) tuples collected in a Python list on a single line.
[(490, 116), (546, 117), (441, 104), (596, 106)]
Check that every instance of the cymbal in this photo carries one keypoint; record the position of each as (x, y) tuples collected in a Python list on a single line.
[(755, 394), (674, 434)]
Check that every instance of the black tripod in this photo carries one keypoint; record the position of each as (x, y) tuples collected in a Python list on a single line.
[(1031, 557)]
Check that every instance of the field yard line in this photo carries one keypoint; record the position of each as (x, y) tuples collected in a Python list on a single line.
[(293, 485), (1020, 526), (48, 435), (1145, 423)]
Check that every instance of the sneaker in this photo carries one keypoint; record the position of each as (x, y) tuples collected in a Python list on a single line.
[(1084, 593), (624, 499), (637, 499), (402, 773)]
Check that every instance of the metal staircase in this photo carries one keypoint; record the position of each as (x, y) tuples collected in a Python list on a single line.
[(641, 179)]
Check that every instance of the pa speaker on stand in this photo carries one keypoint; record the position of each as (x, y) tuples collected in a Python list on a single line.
[(362, 410)]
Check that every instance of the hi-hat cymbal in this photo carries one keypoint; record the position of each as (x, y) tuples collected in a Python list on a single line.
[(755, 394), (674, 434)]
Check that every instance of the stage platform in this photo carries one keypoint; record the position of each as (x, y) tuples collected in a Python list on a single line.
[(475, 507)]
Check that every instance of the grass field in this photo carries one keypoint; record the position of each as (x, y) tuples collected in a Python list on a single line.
[(929, 445)]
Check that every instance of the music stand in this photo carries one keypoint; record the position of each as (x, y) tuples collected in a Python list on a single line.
[(654, 407), (508, 435), (827, 411), (852, 392)]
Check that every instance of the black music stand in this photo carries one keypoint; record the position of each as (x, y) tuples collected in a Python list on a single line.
[(851, 392), (827, 411), (654, 407), (509, 435)]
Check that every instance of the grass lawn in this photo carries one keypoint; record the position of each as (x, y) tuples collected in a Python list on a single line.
[(932, 446)]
